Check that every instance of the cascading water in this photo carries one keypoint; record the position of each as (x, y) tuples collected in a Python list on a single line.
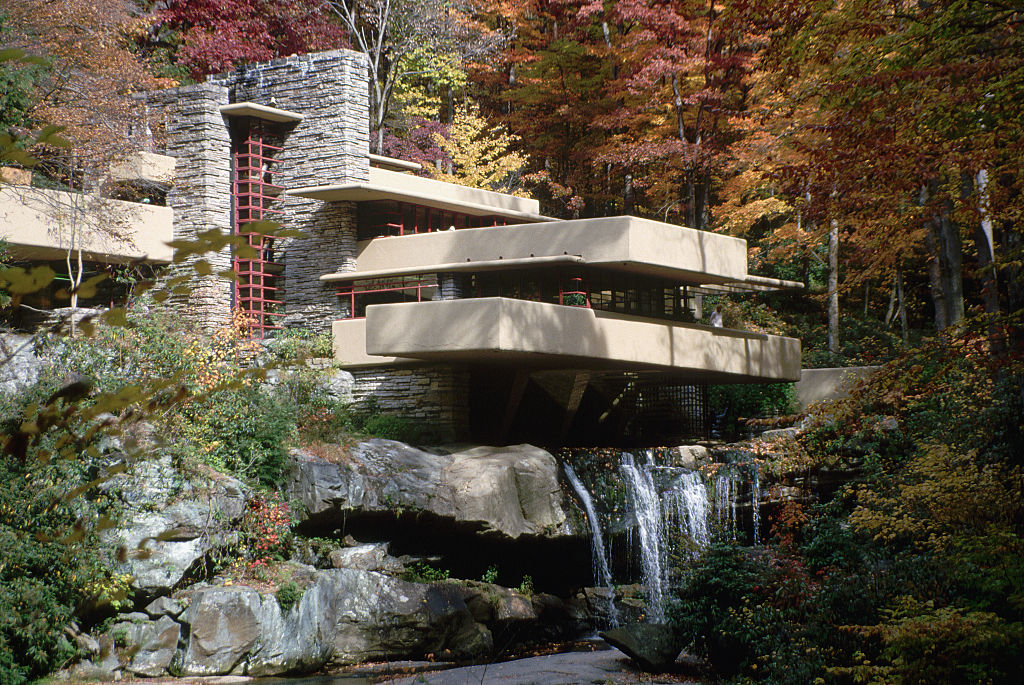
[(726, 487), (647, 509), (602, 571), (685, 508), (668, 504)]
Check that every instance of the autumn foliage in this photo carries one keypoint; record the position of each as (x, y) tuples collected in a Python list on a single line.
[(215, 35)]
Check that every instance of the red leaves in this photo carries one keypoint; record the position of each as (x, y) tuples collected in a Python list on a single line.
[(218, 34)]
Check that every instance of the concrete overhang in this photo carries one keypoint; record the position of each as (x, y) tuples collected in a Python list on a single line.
[(393, 163), (37, 225), (469, 266), (144, 167), (622, 243), (394, 185), (540, 335), (251, 109)]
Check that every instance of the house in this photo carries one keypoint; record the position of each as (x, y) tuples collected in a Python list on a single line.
[(461, 308)]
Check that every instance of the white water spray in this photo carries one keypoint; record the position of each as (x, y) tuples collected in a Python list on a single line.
[(602, 570)]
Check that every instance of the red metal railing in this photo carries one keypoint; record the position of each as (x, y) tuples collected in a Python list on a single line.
[(258, 284)]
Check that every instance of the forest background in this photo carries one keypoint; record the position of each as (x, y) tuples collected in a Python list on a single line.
[(872, 150)]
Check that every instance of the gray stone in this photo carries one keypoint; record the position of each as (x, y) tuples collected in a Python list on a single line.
[(489, 603), (338, 385), (22, 366), (510, 491), (790, 433), (169, 524), (654, 647), (369, 557), (84, 641), (568, 668), (692, 456), (344, 616), (164, 606), (224, 623), (86, 671), (156, 643), (134, 617)]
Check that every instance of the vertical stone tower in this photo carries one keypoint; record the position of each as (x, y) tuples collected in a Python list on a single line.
[(314, 109)]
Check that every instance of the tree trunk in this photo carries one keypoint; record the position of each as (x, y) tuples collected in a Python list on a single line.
[(942, 239), (985, 246), (833, 287), (902, 308), (628, 196)]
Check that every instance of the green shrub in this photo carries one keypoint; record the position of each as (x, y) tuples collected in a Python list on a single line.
[(50, 569), (526, 586), (393, 428), (422, 572), (491, 574), (243, 431), (288, 595), (294, 344), (755, 400)]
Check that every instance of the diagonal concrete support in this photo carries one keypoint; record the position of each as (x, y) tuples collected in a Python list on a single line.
[(515, 397), (579, 386)]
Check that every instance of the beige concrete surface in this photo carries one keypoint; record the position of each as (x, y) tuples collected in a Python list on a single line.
[(257, 111), (350, 345), (537, 334), (42, 224), (817, 385), (146, 167), (395, 185), (624, 243)]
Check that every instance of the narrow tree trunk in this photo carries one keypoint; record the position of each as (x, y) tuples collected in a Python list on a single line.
[(833, 287), (902, 308), (628, 196), (890, 312), (985, 246)]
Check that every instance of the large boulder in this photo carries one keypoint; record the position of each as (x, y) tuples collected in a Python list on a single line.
[(170, 523), (509, 491), (653, 646), (155, 644), (344, 616)]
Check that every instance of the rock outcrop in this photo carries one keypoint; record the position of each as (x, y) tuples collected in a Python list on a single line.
[(654, 647), (345, 616), (508, 491), (170, 523)]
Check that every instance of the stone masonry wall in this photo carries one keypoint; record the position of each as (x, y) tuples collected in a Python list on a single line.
[(190, 128), (435, 395), (329, 146)]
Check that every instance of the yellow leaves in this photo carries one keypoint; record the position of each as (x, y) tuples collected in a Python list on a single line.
[(482, 155), (943, 495)]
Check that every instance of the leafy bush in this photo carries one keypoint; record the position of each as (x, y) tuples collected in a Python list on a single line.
[(756, 400), (422, 572), (288, 595), (491, 574), (50, 570), (293, 344)]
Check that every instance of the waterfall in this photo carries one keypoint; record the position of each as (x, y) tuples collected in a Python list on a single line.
[(726, 488), (602, 571), (685, 508), (647, 509)]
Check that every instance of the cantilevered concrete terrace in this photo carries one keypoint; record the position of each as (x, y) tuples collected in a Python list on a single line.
[(621, 243), (541, 335), (43, 224)]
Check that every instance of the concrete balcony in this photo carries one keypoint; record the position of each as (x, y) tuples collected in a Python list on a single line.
[(44, 224), (540, 335), (385, 184), (145, 168)]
